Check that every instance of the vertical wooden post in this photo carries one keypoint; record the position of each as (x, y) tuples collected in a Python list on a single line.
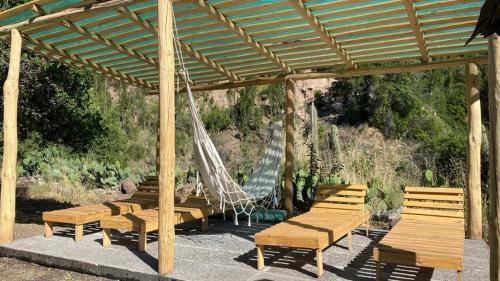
[(289, 147), (494, 157), (166, 232), (9, 177), (474, 210)]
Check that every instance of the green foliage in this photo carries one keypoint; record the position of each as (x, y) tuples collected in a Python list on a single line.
[(431, 181), (246, 113), (217, 118), (275, 95), (57, 163)]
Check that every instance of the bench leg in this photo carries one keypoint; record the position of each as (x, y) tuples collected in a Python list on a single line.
[(319, 261), (106, 237), (378, 273), (143, 239), (260, 257), (349, 240), (48, 229), (204, 224), (368, 228), (78, 232), (459, 275)]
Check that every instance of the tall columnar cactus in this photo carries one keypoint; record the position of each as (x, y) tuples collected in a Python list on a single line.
[(334, 146), (314, 145)]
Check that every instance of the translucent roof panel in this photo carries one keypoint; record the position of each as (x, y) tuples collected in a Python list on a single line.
[(231, 40)]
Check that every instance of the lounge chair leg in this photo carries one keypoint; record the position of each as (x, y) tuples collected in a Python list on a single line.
[(204, 224), (106, 237), (349, 240), (260, 257), (319, 261), (368, 228), (48, 229), (459, 275), (143, 238), (378, 273), (78, 232)]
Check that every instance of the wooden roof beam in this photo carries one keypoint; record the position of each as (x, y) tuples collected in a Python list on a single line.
[(247, 38), (53, 52), (124, 50), (338, 74), (417, 29), (306, 13), (146, 25)]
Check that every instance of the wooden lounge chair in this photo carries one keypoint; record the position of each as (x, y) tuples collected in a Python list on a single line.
[(147, 220), (145, 198), (338, 209), (430, 233)]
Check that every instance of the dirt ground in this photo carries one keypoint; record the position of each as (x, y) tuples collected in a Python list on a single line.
[(29, 223)]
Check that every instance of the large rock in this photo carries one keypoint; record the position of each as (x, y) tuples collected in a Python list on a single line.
[(390, 217), (182, 193), (127, 186)]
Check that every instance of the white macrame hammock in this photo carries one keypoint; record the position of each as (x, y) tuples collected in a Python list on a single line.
[(260, 192)]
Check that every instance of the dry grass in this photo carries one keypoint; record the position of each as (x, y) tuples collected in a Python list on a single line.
[(386, 165), (67, 192)]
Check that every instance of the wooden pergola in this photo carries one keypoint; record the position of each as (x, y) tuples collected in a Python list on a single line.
[(237, 43)]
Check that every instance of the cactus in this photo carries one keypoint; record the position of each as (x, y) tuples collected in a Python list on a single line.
[(334, 146), (314, 145), (431, 181)]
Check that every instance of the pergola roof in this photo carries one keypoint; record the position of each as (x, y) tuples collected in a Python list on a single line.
[(232, 40)]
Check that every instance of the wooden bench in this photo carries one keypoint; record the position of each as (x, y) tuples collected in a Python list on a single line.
[(430, 233), (146, 221), (144, 198), (337, 210)]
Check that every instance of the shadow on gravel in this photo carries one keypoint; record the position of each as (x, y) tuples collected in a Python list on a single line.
[(30, 210)]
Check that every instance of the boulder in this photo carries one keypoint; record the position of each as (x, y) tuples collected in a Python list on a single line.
[(127, 186)]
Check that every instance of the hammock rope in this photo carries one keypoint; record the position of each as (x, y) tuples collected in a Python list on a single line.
[(261, 191)]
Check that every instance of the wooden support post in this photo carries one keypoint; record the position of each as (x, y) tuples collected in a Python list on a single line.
[(260, 257), (319, 262), (494, 157), (378, 271), (9, 177), (106, 237), (474, 210), (204, 224), (78, 232), (349, 240), (143, 238), (48, 229), (289, 147), (166, 231)]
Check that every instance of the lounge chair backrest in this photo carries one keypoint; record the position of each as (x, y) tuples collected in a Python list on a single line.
[(434, 204), (340, 196)]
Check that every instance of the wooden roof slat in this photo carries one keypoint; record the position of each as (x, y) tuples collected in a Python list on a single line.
[(323, 33), (110, 72), (417, 29), (185, 47), (67, 14), (243, 35)]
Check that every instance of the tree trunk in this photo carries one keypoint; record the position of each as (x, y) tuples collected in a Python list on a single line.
[(474, 210), (289, 147), (9, 177), (166, 232), (494, 106)]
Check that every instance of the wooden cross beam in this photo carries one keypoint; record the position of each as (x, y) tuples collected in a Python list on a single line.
[(417, 29), (247, 38), (146, 25), (54, 52), (306, 13)]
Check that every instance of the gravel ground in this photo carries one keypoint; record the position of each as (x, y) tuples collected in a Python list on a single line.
[(28, 224), (16, 270)]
